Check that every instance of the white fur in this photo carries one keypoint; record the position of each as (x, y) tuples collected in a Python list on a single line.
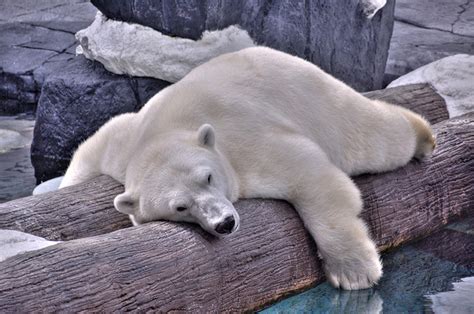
[(133, 49), (281, 128)]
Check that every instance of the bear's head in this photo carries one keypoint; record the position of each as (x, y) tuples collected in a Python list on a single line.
[(181, 177)]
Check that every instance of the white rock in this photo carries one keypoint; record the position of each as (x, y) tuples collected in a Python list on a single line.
[(48, 186), (371, 7), (452, 78), (15, 242), (125, 48), (460, 300), (10, 139), (15, 133)]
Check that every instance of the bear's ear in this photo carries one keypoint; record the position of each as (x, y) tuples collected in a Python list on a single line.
[(206, 136), (124, 203)]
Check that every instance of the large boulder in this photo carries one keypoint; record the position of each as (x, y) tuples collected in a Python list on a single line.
[(341, 38), (24, 49), (34, 36), (74, 103)]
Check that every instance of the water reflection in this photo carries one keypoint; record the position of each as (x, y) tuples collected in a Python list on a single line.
[(363, 301), (326, 299), (419, 278)]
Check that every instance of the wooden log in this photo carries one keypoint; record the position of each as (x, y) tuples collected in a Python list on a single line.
[(88, 210), (75, 212), (415, 200), (163, 266)]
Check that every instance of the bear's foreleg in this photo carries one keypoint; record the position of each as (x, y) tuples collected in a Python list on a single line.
[(329, 203), (330, 214)]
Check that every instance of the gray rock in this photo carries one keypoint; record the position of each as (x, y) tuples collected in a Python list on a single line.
[(464, 25), (426, 31), (33, 37), (24, 49), (354, 51), (68, 17), (61, 15), (454, 16), (50, 66), (74, 103), (413, 47)]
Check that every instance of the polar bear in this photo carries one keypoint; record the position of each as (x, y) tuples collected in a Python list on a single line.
[(258, 123)]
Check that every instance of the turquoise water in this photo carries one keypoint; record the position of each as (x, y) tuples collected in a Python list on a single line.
[(432, 275)]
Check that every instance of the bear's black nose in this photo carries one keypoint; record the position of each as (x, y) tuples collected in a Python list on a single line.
[(226, 226)]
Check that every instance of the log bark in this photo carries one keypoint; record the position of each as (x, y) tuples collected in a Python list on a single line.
[(165, 266)]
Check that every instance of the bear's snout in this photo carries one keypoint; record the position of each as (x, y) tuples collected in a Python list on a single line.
[(226, 226)]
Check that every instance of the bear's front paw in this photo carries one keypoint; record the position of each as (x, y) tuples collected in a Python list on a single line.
[(354, 272)]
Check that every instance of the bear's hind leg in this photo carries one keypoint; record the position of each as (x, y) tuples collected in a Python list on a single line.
[(329, 204), (76, 174)]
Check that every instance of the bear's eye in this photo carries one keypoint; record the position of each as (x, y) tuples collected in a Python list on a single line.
[(181, 208), (209, 179)]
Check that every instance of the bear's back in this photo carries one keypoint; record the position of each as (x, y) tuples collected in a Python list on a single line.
[(259, 91)]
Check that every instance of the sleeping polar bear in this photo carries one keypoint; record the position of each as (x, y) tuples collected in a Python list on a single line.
[(257, 123)]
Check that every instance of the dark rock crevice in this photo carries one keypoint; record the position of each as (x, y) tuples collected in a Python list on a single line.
[(49, 28), (37, 48)]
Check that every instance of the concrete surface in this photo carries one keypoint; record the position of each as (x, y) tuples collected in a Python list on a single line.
[(34, 36), (427, 30)]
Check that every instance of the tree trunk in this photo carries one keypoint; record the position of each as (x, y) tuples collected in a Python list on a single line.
[(165, 266)]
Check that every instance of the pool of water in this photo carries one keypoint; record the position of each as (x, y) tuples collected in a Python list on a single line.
[(435, 274), (16, 172)]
